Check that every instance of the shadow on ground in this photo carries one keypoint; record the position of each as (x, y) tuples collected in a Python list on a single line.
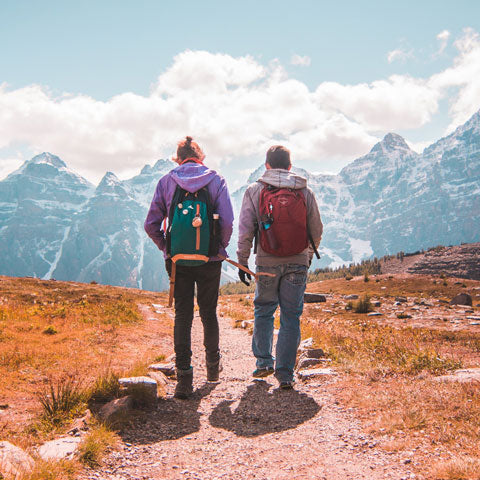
[(172, 419), (261, 411)]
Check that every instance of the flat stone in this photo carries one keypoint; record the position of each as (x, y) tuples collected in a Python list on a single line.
[(14, 462), (474, 323), (307, 343), (314, 298), (159, 377), (461, 299), (401, 299), (309, 362), (376, 303), (315, 373), (315, 353), (351, 297), (167, 369), (374, 314), (247, 323), (473, 317), (63, 447), (116, 408), (465, 375)]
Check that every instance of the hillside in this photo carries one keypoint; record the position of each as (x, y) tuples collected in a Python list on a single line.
[(379, 411), (460, 261)]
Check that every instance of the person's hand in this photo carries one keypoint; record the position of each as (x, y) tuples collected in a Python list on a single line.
[(242, 274)]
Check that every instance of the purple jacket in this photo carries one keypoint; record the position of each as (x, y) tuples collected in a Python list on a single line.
[(190, 177)]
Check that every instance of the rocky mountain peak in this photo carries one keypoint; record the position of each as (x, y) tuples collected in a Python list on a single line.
[(49, 159), (109, 181), (391, 142)]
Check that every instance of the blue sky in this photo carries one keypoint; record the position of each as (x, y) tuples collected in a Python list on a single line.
[(112, 85)]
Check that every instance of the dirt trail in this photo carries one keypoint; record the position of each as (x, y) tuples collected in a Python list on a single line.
[(245, 429)]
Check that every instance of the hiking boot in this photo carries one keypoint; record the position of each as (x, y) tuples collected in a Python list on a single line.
[(286, 385), (213, 370), (184, 386), (263, 372)]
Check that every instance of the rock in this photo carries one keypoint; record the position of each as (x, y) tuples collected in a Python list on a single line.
[(142, 389), (309, 362), (463, 376), (351, 297), (81, 424), (63, 447), (119, 407), (473, 317), (315, 353), (461, 299), (14, 462), (374, 314), (314, 298), (167, 369), (159, 377), (401, 299), (315, 373), (307, 343), (247, 323), (376, 304)]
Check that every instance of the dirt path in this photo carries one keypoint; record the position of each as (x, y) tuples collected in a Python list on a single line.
[(245, 429)]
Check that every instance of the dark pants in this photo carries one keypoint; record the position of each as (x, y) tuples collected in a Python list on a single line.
[(207, 278)]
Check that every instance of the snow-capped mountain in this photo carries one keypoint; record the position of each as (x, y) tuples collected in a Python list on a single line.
[(55, 224)]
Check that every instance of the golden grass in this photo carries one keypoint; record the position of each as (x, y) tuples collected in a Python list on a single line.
[(53, 470), (460, 468), (96, 444), (51, 329)]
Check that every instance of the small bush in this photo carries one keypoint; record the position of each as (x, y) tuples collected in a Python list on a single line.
[(50, 330), (348, 277), (363, 305), (62, 399), (94, 446), (53, 470), (105, 388), (403, 315), (366, 277)]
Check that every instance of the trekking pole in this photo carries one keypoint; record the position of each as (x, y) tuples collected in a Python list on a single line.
[(245, 269)]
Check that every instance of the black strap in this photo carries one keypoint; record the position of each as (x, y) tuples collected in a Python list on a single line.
[(310, 238)]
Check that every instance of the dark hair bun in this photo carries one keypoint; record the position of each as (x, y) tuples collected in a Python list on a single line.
[(188, 140)]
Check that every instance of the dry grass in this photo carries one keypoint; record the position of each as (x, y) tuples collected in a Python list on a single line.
[(460, 468), (51, 329), (96, 444), (389, 370), (53, 470)]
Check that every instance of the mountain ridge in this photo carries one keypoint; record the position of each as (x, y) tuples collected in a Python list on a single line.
[(54, 223)]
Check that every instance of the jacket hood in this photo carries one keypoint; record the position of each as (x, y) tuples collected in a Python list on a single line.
[(192, 176), (280, 178)]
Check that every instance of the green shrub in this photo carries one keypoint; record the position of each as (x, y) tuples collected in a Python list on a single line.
[(363, 305)]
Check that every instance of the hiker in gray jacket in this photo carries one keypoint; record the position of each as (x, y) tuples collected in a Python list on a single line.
[(281, 212)]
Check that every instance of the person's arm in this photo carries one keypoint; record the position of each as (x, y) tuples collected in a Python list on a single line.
[(247, 226), (155, 217), (314, 222), (223, 206)]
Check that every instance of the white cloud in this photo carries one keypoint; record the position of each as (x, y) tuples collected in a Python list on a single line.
[(235, 108), (302, 61), (443, 38), (399, 54)]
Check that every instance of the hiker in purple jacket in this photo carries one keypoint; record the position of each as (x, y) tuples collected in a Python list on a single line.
[(192, 175)]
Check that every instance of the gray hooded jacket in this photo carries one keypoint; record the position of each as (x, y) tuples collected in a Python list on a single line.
[(250, 219)]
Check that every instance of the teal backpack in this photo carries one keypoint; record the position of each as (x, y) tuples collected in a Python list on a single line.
[(192, 226)]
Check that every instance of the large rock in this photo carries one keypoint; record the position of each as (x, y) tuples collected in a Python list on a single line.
[(461, 299), (116, 409), (14, 462), (142, 389), (314, 298), (63, 447)]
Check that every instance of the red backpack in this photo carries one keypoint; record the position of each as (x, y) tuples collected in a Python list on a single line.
[(283, 215)]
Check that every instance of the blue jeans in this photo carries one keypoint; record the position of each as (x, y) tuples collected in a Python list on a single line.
[(285, 289)]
